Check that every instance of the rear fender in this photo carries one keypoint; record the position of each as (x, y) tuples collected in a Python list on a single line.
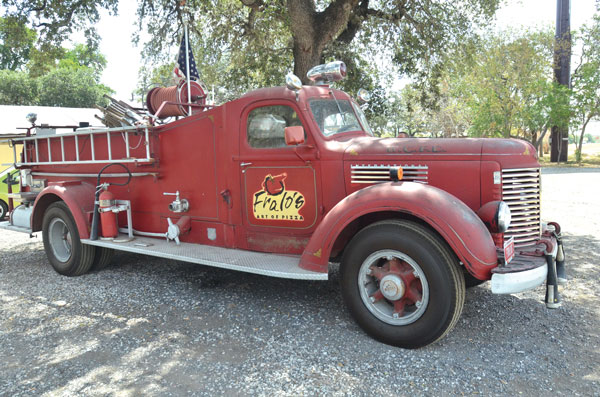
[(455, 222), (78, 196)]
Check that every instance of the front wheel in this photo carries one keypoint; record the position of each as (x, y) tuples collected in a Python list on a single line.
[(402, 284), (62, 244)]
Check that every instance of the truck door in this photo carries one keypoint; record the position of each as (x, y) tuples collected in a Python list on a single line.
[(279, 182)]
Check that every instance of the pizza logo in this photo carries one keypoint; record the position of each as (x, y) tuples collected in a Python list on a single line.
[(275, 202)]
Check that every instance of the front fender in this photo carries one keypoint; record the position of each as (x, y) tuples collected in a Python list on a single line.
[(462, 229), (78, 196)]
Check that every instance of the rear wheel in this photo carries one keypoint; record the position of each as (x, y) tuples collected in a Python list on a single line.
[(102, 258), (62, 244), (402, 284), (3, 209)]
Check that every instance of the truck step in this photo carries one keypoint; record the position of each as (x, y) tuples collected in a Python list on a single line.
[(274, 265)]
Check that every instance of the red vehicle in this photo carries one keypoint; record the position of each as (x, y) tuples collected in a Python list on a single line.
[(285, 181)]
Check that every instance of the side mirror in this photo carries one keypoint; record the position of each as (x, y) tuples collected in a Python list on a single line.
[(294, 135)]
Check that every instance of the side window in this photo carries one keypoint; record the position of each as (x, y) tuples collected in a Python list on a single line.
[(266, 125)]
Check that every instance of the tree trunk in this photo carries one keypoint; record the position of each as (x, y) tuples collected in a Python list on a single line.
[(304, 59), (312, 30), (580, 143)]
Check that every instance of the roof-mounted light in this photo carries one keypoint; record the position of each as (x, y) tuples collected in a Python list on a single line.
[(327, 73), (292, 82)]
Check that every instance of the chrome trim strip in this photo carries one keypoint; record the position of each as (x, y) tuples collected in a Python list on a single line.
[(73, 175)]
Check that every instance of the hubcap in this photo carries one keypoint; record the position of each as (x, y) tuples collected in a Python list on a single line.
[(59, 238), (393, 287)]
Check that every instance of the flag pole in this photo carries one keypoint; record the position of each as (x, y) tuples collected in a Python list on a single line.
[(187, 67)]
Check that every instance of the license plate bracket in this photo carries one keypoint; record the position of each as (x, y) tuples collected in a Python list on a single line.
[(509, 250)]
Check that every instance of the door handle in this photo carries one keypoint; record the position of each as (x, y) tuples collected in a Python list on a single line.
[(244, 165)]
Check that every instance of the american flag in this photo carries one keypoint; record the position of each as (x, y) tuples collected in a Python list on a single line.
[(180, 69)]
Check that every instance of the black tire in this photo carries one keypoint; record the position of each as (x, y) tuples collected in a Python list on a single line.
[(471, 281), (3, 209), (102, 258), (390, 246), (62, 243)]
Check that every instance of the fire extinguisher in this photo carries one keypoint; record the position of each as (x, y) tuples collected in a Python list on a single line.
[(108, 218), (105, 199)]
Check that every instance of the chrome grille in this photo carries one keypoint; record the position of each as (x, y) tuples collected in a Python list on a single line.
[(521, 191), (369, 174)]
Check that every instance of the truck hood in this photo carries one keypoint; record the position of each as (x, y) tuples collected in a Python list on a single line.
[(470, 149), (367, 148)]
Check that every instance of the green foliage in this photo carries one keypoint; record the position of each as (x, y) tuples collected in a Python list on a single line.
[(83, 56), (69, 87), (72, 80), (55, 20), (242, 45), (16, 88), (586, 81), (16, 42), (232, 49), (499, 86)]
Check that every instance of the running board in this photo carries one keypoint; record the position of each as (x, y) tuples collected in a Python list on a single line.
[(274, 265)]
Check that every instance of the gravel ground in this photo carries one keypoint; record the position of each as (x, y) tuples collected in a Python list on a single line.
[(148, 326)]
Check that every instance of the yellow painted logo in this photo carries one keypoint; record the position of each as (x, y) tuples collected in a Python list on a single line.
[(275, 202)]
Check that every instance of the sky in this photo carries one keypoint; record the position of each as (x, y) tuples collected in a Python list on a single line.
[(124, 61)]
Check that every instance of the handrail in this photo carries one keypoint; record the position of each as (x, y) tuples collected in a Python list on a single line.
[(83, 131)]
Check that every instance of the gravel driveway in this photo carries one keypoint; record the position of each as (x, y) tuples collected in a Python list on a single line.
[(148, 326)]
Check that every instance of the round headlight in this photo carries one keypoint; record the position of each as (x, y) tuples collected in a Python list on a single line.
[(496, 216), (503, 217)]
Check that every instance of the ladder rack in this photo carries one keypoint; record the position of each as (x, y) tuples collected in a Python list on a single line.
[(114, 147)]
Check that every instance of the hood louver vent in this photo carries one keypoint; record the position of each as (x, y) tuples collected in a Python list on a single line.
[(370, 174)]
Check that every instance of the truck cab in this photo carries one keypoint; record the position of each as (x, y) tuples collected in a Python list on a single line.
[(284, 182)]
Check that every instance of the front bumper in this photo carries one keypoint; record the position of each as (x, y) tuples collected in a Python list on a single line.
[(520, 280), (528, 269)]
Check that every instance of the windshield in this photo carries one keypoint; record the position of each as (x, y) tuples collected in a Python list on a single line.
[(334, 117)]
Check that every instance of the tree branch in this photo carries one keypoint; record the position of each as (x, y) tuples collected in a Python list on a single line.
[(333, 19)]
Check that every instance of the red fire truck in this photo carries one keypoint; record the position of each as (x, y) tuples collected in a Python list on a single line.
[(284, 182)]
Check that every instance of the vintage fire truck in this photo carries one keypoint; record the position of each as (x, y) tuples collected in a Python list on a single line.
[(285, 182)]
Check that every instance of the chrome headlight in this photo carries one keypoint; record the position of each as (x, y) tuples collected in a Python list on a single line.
[(504, 217)]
